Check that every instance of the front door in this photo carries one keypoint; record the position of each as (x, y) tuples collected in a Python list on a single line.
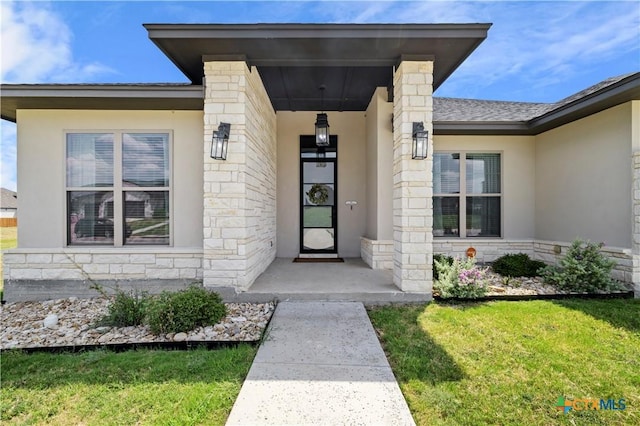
[(318, 195)]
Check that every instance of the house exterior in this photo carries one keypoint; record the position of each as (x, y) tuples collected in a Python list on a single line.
[(8, 207), (127, 188)]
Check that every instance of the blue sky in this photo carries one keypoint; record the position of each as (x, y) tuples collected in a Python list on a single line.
[(538, 51)]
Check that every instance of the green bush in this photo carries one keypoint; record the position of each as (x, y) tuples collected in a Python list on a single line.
[(442, 259), (582, 269), (517, 265), (127, 309), (185, 310), (461, 278)]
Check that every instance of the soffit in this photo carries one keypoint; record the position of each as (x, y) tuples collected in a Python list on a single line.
[(294, 60)]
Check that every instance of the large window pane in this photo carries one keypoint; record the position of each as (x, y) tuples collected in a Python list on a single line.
[(483, 173), (146, 217), (145, 159), (89, 160), (446, 173), (446, 216), (90, 217), (483, 216)]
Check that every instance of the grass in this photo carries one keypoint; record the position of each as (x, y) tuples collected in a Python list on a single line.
[(508, 363), (8, 239), (137, 387)]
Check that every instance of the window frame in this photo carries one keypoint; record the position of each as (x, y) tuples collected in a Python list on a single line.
[(118, 188), (463, 194)]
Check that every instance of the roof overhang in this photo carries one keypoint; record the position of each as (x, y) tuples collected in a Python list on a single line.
[(294, 60), (625, 90), (103, 96)]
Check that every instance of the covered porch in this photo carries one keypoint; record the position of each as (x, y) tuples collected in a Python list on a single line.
[(374, 83)]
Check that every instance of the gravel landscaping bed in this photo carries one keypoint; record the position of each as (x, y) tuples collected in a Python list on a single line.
[(517, 286), (70, 322)]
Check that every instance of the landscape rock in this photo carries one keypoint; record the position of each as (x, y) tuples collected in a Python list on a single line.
[(180, 337), (50, 321), (67, 322)]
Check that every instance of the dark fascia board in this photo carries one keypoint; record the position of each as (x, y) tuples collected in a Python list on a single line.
[(316, 31), (296, 44), (625, 90), (481, 128), (101, 96)]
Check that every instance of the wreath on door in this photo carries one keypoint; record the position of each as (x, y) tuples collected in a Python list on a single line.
[(318, 194)]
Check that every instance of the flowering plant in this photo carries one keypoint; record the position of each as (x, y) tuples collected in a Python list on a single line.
[(461, 278)]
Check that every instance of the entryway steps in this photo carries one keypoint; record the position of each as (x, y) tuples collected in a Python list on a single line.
[(351, 281), (320, 363)]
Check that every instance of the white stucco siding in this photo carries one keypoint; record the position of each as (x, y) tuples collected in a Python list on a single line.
[(379, 167), (584, 178), (350, 127), (41, 168), (518, 177)]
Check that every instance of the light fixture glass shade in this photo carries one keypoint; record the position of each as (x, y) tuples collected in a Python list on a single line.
[(420, 142), (322, 130), (220, 142)]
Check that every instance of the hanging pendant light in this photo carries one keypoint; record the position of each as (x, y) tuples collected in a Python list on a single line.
[(322, 123)]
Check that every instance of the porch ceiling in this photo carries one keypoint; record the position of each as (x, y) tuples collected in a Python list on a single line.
[(294, 60)]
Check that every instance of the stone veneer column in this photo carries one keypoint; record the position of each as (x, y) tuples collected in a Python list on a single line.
[(239, 223), (412, 179), (635, 276)]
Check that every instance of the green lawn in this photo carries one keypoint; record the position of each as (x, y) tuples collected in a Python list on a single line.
[(137, 387), (508, 363), (8, 239)]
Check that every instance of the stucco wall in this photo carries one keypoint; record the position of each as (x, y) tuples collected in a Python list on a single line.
[(350, 127), (41, 169), (583, 180), (518, 177), (379, 167)]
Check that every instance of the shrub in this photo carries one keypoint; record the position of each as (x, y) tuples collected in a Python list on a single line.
[(517, 265), (127, 309), (582, 269), (461, 278), (442, 259), (185, 310)]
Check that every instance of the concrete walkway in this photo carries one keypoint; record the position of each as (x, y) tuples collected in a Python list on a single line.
[(321, 363)]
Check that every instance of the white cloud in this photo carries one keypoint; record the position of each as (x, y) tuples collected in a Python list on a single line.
[(545, 44), (8, 150), (35, 46)]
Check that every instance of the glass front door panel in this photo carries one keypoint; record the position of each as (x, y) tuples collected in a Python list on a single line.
[(318, 217), (318, 214), (319, 239)]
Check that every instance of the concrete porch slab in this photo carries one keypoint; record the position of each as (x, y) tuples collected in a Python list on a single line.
[(350, 281)]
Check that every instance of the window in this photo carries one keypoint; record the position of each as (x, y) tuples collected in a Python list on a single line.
[(118, 188), (467, 198)]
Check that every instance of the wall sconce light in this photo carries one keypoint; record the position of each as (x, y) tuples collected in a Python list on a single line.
[(322, 123), (420, 141), (220, 141)]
